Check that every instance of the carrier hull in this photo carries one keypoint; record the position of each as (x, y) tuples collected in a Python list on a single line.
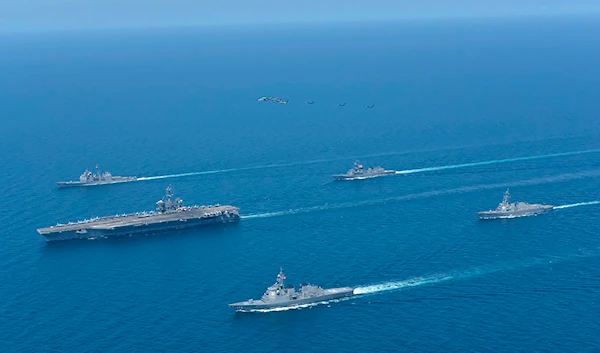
[(92, 233), (142, 223)]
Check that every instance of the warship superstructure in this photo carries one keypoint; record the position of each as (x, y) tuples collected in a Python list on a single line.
[(170, 214), (89, 178), (359, 172), (279, 295), (506, 209)]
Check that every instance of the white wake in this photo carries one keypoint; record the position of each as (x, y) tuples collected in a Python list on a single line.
[(413, 282), (577, 204), (408, 171), (496, 161), (427, 194)]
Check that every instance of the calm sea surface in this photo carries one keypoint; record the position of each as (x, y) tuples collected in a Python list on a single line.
[(431, 276)]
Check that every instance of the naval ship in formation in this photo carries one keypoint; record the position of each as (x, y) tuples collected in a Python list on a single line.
[(98, 178), (358, 172), (511, 210), (171, 214), (279, 295)]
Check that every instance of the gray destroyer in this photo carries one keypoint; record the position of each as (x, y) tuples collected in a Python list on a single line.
[(279, 295), (171, 214), (512, 210), (359, 172), (89, 178)]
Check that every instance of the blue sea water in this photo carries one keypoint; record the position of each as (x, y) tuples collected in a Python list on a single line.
[(431, 276)]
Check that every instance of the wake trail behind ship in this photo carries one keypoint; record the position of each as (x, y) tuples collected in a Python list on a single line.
[(497, 161), (465, 189), (395, 285), (470, 273), (408, 171), (391, 286), (577, 205), (433, 279)]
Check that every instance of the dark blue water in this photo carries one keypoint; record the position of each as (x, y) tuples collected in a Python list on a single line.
[(432, 276)]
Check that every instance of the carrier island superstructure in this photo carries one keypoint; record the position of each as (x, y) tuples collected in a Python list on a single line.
[(171, 214)]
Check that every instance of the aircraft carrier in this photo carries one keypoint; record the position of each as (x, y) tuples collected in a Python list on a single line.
[(512, 210), (171, 214), (98, 178), (358, 172), (279, 295)]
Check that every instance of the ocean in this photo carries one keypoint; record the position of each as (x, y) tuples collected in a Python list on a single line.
[(466, 109)]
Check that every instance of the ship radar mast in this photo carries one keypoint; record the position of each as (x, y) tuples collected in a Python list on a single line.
[(169, 192), (506, 198), (280, 278), (167, 204)]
